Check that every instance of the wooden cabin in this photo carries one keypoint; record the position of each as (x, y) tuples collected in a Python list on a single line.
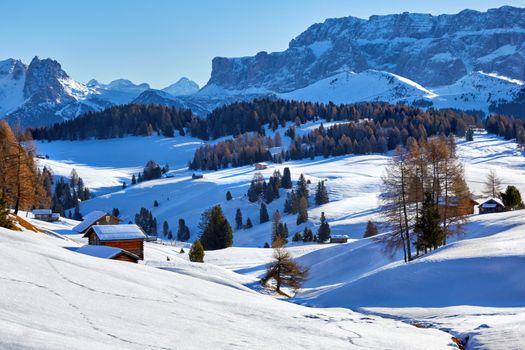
[(196, 176), (339, 239), (96, 217), (456, 207), (261, 166), (492, 205), (45, 215), (106, 252), (127, 237)]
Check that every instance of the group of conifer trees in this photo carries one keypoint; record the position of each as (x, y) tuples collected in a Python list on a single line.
[(425, 198), (68, 194), (22, 185), (508, 127), (119, 121)]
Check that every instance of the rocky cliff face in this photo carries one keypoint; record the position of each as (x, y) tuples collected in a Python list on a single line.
[(431, 50)]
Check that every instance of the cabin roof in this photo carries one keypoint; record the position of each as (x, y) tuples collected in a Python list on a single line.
[(492, 203), (102, 251), (42, 212), (340, 236), (89, 220), (117, 232)]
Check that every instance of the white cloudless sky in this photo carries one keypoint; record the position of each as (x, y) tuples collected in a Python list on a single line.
[(159, 41)]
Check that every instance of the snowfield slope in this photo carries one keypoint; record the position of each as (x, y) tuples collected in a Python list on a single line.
[(55, 298)]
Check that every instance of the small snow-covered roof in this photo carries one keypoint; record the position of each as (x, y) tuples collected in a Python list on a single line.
[(42, 212), (492, 203), (340, 236), (102, 251), (89, 220), (118, 232)]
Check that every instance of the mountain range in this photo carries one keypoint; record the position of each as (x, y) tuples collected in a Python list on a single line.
[(470, 60)]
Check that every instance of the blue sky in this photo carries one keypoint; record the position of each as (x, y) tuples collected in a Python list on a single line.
[(159, 41)]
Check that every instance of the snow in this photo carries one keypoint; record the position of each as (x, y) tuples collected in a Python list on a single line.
[(502, 51), (99, 251), (320, 47), (118, 232), (105, 164), (370, 85), (471, 287), (42, 212), (56, 298), (89, 220)]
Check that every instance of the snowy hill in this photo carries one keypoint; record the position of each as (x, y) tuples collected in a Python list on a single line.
[(370, 85), (54, 297)]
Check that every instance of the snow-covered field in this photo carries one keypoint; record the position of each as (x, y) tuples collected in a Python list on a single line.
[(353, 182), (52, 297), (472, 287)]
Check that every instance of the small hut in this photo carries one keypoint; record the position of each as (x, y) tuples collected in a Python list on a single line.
[(492, 205), (106, 252), (196, 176), (45, 215), (128, 237), (261, 166), (339, 239)]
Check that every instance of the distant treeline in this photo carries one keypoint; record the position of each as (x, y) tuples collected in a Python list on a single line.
[(515, 108), (508, 127), (119, 121), (373, 128)]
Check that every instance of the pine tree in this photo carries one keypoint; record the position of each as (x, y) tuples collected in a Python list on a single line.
[(238, 219), (263, 214), (297, 237), (217, 233), (77, 215), (512, 198), (321, 195), (286, 181), (276, 221), (469, 136), (324, 232), (302, 187), (427, 228), (155, 203), (165, 229), (371, 229), (229, 196), (183, 232), (308, 235), (285, 271), (115, 212), (5, 220), (133, 180), (249, 224), (196, 252), (302, 214), (123, 185)]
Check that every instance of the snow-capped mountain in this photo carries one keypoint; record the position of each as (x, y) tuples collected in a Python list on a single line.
[(431, 50), (120, 91), (48, 95), (161, 97), (12, 80), (182, 87)]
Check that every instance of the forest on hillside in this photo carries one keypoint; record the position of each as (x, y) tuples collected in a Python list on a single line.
[(373, 128), (120, 121)]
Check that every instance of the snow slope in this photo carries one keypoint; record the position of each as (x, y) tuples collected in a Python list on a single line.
[(472, 286), (55, 298), (370, 85), (353, 182)]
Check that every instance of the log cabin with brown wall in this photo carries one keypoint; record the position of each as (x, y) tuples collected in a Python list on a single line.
[(127, 237)]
